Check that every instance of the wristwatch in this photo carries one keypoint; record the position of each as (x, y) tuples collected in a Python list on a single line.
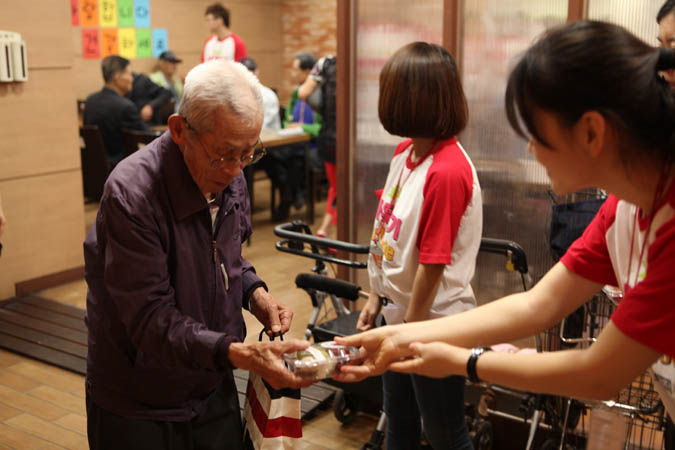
[(471, 363)]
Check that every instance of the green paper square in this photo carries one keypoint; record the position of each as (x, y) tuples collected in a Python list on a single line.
[(125, 13), (143, 43)]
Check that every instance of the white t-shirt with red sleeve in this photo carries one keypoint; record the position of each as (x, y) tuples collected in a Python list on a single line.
[(232, 48), (646, 313), (430, 212)]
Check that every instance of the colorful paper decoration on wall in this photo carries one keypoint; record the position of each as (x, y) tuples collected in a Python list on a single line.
[(142, 13), (127, 42), (75, 12), (160, 41), (107, 13), (89, 13), (124, 29), (143, 43), (109, 42), (90, 43), (125, 10)]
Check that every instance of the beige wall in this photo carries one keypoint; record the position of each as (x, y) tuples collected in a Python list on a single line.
[(258, 22), (40, 178)]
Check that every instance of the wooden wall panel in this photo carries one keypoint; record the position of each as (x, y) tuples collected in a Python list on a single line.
[(39, 125), (40, 178), (41, 24), (46, 227)]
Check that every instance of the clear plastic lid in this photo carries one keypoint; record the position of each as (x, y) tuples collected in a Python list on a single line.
[(321, 360)]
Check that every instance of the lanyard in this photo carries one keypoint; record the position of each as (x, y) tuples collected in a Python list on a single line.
[(658, 193), (398, 187)]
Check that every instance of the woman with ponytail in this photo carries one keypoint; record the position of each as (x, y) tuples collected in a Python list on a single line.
[(588, 97)]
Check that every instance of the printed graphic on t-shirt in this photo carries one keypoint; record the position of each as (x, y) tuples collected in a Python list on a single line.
[(430, 212)]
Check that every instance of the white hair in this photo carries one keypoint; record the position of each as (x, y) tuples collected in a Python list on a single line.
[(219, 84)]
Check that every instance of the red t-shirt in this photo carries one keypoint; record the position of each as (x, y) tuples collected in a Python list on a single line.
[(232, 48), (647, 311)]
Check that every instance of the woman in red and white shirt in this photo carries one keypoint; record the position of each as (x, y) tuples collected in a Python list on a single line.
[(599, 115), (426, 234)]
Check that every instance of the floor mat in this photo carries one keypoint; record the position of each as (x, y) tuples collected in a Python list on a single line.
[(45, 330), (55, 333)]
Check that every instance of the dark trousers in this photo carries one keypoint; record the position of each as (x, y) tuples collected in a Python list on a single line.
[(218, 428), (439, 403)]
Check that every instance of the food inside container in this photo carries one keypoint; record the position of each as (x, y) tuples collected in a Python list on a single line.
[(321, 360)]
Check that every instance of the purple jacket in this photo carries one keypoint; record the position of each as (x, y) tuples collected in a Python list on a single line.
[(159, 315)]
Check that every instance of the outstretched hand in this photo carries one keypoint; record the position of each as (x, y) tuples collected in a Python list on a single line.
[(435, 360), (379, 348), (265, 358)]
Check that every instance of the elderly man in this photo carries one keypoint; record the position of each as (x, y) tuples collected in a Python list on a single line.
[(167, 281)]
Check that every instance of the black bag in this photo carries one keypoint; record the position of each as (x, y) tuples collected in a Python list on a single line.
[(568, 222)]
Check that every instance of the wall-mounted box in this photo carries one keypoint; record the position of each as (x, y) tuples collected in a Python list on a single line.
[(13, 62)]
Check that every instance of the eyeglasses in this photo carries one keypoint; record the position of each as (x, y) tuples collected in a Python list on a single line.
[(249, 156)]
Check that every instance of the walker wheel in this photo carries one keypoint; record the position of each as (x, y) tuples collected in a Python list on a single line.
[(483, 439), (549, 444), (345, 407)]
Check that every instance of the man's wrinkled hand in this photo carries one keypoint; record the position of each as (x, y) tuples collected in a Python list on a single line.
[(265, 359), (275, 317)]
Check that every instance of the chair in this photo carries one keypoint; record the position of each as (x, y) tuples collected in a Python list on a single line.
[(137, 139), (95, 164)]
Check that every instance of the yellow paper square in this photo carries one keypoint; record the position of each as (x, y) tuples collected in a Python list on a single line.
[(127, 42), (108, 13)]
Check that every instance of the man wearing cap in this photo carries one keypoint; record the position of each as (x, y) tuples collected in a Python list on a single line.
[(166, 77)]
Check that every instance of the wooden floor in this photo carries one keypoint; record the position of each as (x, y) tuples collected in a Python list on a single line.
[(42, 407)]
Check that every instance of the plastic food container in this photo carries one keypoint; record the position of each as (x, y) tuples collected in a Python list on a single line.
[(321, 360)]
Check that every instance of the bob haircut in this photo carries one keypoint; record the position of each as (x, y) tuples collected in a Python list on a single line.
[(596, 66), (421, 94)]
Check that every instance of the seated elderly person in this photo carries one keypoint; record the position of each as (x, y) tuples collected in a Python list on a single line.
[(110, 110), (166, 76), (167, 281), (148, 97)]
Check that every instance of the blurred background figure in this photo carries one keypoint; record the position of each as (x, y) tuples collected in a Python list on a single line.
[(299, 114), (271, 121), (323, 76), (223, 43), (111, 110), (666, 20), (154, 103), (165, 75)]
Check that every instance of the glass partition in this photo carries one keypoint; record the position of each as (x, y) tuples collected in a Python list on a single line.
[(382, 27), (638, 16), (516, 203)]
